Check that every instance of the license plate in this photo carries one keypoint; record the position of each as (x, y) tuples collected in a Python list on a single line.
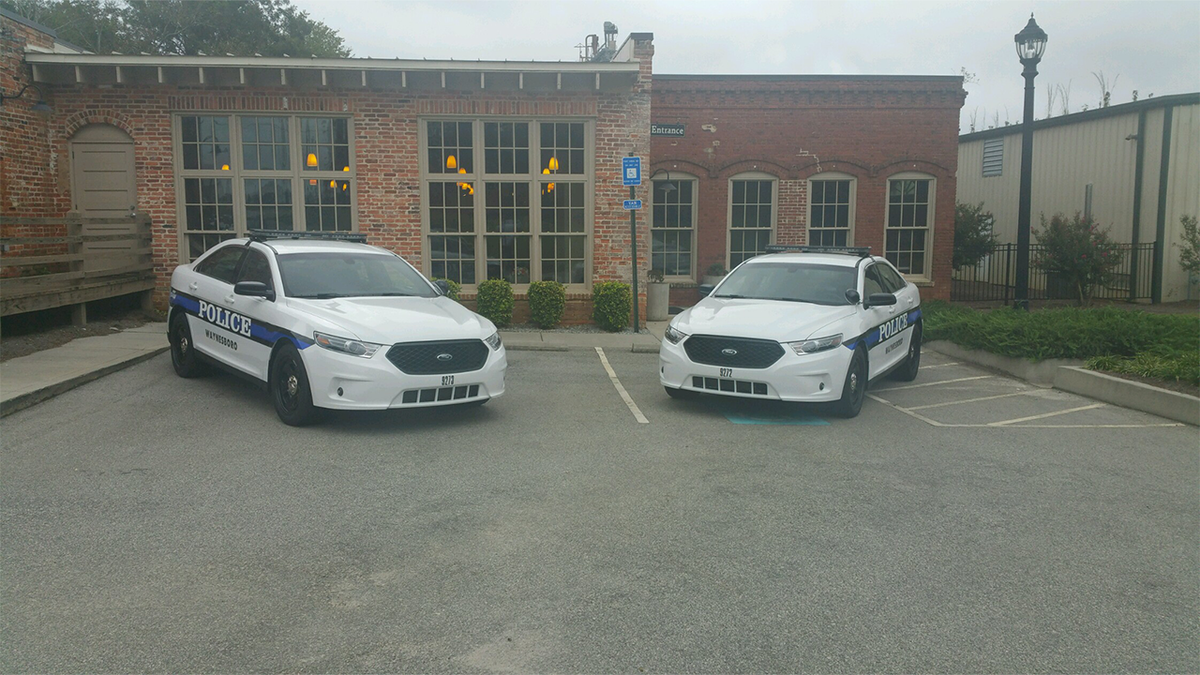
[(727, 372), (447, 380)]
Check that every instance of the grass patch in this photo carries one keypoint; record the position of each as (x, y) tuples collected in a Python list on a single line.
[(1183, 368)]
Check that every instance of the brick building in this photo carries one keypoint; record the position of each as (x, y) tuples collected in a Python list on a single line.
[(472, 169)]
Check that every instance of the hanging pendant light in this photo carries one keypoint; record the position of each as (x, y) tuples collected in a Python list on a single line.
[(554, 164), (312, 159), (451, 163)]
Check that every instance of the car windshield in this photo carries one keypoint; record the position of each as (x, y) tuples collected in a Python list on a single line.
[(348, 274), (790, 282)]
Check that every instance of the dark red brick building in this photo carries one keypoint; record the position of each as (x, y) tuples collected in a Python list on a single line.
[(473, 170)]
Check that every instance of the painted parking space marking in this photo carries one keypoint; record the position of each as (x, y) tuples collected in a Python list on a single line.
[(968, 400), (1045, 415), (612, 375), (940, 365), (934, 384)]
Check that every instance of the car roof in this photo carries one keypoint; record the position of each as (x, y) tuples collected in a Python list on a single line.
[(834, 259), (286, 246)]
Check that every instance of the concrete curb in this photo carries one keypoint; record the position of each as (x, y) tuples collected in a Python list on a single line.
[(23, 401), (1172, 405), (1070, 375), (536, 348), (1041, 373)]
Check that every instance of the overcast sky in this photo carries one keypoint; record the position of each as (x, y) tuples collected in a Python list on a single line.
[(1150, 46)]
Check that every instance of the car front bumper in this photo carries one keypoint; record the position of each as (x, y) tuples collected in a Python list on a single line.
[(344, 382), (803, 378)]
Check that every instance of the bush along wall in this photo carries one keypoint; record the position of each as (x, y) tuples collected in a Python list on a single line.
[(494, 300), (612, 304), (455, 287), (547, 301)]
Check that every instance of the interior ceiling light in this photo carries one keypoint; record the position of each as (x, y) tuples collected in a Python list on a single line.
[(451, 163), (312, 159), (554, 164)]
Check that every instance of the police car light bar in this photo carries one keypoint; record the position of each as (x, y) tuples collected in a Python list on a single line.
[(263, 235), (860, 251)]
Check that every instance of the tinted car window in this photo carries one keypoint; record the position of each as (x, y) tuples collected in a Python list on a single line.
[(794, 282), (222, 264), (347, 274), (892, 281), (872, 283), (256, 268)]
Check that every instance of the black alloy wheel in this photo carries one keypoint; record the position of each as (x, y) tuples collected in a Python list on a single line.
[(290, 390), (184, 358), (912, 363), (854, 390)]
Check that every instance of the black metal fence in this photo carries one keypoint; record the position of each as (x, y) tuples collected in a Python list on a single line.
[(995, 277)]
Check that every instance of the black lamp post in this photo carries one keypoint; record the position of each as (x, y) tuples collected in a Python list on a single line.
[(1031, 42)]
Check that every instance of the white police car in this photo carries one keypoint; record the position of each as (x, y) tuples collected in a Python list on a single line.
[(812, 325), (328, 322)]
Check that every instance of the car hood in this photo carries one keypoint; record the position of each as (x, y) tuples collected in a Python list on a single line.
[(390, 320), (766, 319)]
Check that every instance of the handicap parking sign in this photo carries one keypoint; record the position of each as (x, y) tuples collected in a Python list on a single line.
[(631, 170)]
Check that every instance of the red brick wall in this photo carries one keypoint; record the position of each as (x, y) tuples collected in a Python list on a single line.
[(27, 167), (798, 127)]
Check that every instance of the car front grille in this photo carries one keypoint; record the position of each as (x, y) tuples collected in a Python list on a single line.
[(731, 386), (439, 358), (439, 394), (732, 352)]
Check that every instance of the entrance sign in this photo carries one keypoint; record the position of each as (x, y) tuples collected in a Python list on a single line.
[(666, 129), (631, 171)]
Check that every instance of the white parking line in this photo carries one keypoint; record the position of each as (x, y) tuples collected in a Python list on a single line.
[(932, 384), (1045, 415), (637, 414), (940, 365), (968, 400)]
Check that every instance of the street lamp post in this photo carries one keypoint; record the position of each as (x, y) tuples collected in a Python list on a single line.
[(1031, 42)]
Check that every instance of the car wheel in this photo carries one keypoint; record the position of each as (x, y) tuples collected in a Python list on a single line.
[(681, 394), (908, 371), (854, 389), (184, 357), (290, 390)]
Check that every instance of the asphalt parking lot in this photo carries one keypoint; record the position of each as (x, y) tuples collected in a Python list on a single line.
[(587, 523)]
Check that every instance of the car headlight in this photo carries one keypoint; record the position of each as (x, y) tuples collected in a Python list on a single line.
[(816, 344), (346, 345), (673, 335), (493, 341)]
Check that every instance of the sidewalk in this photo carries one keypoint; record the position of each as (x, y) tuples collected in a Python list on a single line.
[(27, 380)]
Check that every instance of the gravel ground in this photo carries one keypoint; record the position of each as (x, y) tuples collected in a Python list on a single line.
[(24, 334)]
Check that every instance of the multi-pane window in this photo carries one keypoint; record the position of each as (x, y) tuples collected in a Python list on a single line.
[(534, 188), (450, 147), (908, 224), (452, 231), (507, 238), (247, 172), (829, 213), (671, 227), (563, 239), (751, 219), (505, 147)]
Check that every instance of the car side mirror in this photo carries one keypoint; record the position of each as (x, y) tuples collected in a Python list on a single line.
[(443, 286), (705, 289), (880, 300), (852, 296), (254, 289)]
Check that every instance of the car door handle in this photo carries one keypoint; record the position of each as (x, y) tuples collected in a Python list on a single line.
[(230, 299), (193, 286)]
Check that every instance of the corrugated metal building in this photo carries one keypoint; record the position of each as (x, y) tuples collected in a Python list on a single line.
[(1135, 168)]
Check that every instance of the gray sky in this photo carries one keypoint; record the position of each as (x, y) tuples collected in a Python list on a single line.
[(1151, 46)]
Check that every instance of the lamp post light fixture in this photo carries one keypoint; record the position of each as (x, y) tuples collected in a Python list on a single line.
[(1031, 43)]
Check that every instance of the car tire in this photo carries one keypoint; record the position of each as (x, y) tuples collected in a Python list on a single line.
[(854, 389), (184, 357), (908, 371), (681, 394), (289, 387)]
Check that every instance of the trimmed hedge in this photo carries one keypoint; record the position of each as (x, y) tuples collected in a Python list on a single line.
[(495, 301), (1069, 333), (455, 287), (547, 302), (612, 305)]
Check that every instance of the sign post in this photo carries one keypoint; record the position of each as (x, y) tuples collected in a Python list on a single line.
[(631, 175)]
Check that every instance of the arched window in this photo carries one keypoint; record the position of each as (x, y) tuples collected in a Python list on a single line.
[(908, 226), (752, 212), (831, 198), (673, 224)]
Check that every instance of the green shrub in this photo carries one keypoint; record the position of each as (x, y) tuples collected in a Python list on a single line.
[(973, 238), (547, 301), (1069, 333), (455, 287), (612, 304), (1183, 367), (1189, 250), (495, 301), (1077, 252)]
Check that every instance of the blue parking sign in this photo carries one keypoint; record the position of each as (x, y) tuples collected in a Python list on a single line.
[(631, 170)]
